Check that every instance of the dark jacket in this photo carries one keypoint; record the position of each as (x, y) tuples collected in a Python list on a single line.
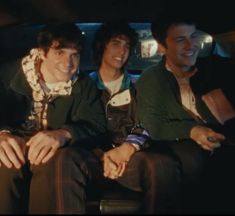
[(81, 113), (120, 111), (159, 103)]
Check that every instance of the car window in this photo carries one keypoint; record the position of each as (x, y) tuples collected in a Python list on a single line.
[(16, 41)]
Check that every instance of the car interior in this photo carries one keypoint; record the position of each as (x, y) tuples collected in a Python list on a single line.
[(21, 20)]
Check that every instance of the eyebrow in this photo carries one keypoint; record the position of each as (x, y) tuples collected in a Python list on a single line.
[(120, 39)]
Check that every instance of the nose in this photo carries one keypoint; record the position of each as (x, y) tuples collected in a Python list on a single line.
[(123, 50), (189, 43), (67, 61), (192, 44)]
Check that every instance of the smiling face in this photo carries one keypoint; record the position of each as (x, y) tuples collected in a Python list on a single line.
[(182, 46), (116, 53), (59, 64)]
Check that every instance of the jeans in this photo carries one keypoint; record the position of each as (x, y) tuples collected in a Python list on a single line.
[(56, 187), (155, 174)]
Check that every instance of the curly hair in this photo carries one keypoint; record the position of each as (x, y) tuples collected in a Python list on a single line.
[(106, 32), (68, 35)]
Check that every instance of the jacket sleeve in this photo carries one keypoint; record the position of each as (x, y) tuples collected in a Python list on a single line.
[(88, 124), (159, 111), (138, 134)]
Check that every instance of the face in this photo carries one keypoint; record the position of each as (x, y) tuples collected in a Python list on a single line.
[(59, 64), (116, 52), (182, 46)]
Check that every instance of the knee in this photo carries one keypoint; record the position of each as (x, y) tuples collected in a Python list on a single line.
[(9, 175), (161, 166), (66, 160), (164, 164)]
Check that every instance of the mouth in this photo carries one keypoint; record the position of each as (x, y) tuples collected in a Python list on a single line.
[(63, 70), (120, 59), (189, 54)]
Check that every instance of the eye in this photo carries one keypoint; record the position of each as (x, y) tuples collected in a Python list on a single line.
[(76, 55), (194, 36), (59, 52), (115, 43), (128, 46), (179, 40)]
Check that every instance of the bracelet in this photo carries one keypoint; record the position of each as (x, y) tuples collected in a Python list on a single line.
[(136, 146)]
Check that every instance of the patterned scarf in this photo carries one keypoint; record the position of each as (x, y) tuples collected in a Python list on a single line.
[(42, 93)]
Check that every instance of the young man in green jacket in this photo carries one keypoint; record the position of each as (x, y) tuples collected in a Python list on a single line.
[(50, 111), (184, 102)]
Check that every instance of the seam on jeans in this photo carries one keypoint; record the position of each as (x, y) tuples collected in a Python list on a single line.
[(58, 183)]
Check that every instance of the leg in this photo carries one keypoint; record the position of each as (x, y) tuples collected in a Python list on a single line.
[(158, 176), (193, 160), (14, 186), (221, 178), (59, 185)]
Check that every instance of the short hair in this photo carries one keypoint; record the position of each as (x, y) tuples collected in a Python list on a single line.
[(161, 26), (68, 35), (106, 32)]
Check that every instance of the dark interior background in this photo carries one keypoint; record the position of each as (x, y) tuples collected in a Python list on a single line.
[(20, 20), (212, 16)]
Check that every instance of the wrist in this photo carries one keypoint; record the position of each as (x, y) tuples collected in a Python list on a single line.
[(136, 146), (131, 147)]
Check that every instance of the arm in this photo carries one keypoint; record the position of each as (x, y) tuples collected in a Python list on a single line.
[(87, 122), (159, 110)]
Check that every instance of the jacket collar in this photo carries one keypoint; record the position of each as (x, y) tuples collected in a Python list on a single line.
[(125, 82), (19, 82)]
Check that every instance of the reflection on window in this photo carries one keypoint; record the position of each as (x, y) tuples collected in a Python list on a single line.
[(148, 48)]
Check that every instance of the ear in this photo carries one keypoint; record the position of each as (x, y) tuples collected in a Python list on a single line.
[(42, 54), (161, 49)]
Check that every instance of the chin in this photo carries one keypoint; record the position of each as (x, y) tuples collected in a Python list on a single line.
[(191, 62)]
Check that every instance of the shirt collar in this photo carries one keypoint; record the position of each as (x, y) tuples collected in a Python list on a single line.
[(125, 82)]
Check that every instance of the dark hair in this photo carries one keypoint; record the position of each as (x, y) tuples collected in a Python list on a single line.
[(67, 34), (161, 26), (106, 32)]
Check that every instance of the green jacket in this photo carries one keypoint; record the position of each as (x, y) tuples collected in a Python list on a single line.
[(81, 113), (159, 106)]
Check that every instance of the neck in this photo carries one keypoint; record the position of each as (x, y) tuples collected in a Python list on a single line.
[(109, 74), (45, 75)]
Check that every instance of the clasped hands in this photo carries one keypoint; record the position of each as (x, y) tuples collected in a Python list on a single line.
[(116, 160)]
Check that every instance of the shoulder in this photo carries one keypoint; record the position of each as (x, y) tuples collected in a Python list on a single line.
[(10, 67), (150, 75), (85, 81), (93, 75), (9, 70), (214, 60)]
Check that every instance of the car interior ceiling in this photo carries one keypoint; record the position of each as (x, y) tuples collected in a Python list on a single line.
[(21, 20)]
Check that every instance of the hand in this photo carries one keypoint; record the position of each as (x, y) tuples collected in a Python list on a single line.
[(44, 144), (206, 137), (116, 160), (11, 150)]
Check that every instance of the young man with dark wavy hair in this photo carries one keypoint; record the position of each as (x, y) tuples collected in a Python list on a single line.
[(128, 159), (51, 114)]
